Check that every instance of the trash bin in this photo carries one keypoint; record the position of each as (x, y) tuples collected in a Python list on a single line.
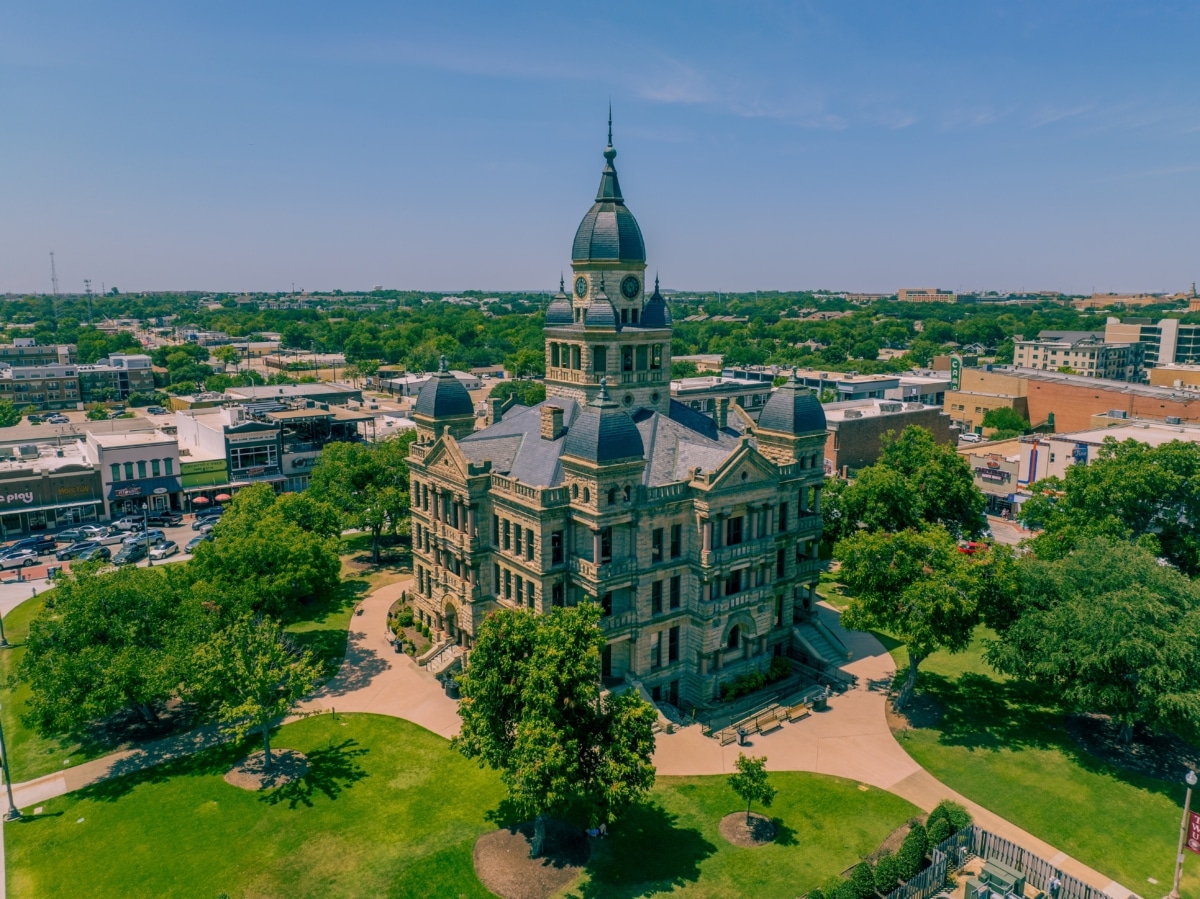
[(452, 688), (820, 704), (52, 570), (742, 734)]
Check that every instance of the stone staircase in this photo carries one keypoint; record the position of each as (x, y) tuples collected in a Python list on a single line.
[(445, 656), (821, 645)]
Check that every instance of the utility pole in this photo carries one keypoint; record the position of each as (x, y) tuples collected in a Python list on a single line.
[(53, 274), (87, 285)]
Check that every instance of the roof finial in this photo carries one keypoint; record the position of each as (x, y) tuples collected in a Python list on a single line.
[(610, 123), (656, 282), (442, 363), (561, 282), (603, 389)]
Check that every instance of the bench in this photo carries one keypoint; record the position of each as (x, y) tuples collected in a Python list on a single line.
[(798, 713), (727, 736), (768, 722)]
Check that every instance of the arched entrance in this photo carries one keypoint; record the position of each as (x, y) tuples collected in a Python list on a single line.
[(450, 621)]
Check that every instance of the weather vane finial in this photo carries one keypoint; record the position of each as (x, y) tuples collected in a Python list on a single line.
[(610, 123)]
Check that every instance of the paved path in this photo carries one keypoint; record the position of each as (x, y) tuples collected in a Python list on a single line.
[(852, 739)]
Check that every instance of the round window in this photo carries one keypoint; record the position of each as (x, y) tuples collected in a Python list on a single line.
[(654, 397), (628, 400)]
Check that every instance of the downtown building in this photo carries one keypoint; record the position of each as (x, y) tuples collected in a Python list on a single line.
[(698, 538)]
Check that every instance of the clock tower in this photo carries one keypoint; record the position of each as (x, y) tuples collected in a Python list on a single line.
[(607, 328)]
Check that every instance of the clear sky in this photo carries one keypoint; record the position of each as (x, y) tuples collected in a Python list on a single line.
[(447, 146)]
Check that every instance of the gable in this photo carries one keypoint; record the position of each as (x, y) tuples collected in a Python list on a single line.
[(745, 468), (447, 459)]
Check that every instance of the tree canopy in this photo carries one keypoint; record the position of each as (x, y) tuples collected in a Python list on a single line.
[(917, 586), (1109, 630), (367, 483), (532, 709), (916, 481), (1005, 418), (749, 780)]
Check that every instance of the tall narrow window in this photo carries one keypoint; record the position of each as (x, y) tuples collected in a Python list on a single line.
[(154, 468), (656, 356), (676, 541), (733, 531), (676, 591), (656, 545), (606, 544), (783, 520), (673, 644), (528, 543), (656, 650), (556, 548), (656, 598), (517, 539), (606, 603), (556, 595), (116, 472), (129, 471), (599, 358)]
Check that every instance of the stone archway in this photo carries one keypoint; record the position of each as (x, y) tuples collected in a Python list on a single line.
[(450, 623)]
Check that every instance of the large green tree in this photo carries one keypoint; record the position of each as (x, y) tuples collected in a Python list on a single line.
[(110, 641), (367, 483), (916, 480), (750, 781), (917, 586), (253, 676), (262, 561), (9, 414), (1129, 491), (532, 708), (1108, 629)]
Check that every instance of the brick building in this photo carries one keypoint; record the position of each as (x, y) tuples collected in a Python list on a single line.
[(856, 429), (699, 542)]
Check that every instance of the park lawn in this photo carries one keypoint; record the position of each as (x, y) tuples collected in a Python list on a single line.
[(1004, 745), (389, 810), (672, 844)]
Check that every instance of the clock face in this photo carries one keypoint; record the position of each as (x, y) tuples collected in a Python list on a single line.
[(629, 287), (581, 287)]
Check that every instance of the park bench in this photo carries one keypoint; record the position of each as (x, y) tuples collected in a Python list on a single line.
[(798, 712), (768, 722)]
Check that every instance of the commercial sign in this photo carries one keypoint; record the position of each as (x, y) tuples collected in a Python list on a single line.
[(69, 490), (993, 475), (13, 498), (1193, 834), (159, 491), (955, 371), (200, 465), (127, 491)]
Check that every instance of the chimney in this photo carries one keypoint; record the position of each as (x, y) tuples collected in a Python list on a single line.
[(721, 416), (552, 422), (495, 410)]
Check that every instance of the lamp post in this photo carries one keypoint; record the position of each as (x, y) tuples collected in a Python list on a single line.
[(1190, 780), (13, 813), (146, 532)]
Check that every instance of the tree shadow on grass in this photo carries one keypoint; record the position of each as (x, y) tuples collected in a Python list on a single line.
[(330, 771), (784, 835), (125, 777), (645, 853)]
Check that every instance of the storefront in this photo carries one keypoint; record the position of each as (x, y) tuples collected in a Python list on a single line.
[(156, 494), (203, 480), (50, 500)]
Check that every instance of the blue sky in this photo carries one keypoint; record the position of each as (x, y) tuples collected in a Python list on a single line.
[(446, 146)]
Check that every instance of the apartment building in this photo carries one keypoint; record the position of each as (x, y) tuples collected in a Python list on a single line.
[(1086, 353), (925, 295)]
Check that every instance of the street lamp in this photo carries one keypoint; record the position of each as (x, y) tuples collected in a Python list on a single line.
[(13, 813), (1190, 780), (146, 532)]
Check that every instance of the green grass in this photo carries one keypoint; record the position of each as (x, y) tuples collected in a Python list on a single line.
[(1004, 745), (389, 810)]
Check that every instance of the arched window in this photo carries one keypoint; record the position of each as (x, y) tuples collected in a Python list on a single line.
[(612, 495), (587, 495), (574, 491), (734, 633), (627, 493)]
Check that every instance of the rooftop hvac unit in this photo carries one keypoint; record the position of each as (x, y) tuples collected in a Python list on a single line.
[(1117, 413), (914, 405), (28, 449), (890, 407), (852, 413)]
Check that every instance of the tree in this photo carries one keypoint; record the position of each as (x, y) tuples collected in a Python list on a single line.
[(367, 483), (684, 368), (528, 393), (1005, 418), (750, 782), (97, 412), (1108, 630), (912, 852), (940, 477), (260, 561), (109, 642), (862, 879), (1129, 491), (526, 362), (917, 586), (254, 676), (9, 414), (532, 709), (886, 873), (227, 355), (352, 372)]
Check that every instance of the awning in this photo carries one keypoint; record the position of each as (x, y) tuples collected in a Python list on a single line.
[(145, 487), (14, 510)]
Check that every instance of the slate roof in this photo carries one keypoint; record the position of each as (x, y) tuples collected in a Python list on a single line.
[(792, 409), (603, 432), (559, 311), (671, 444), (656, 314), (608, 232), (443, 395)]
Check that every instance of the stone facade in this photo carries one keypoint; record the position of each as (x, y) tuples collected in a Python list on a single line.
[(697, 538)]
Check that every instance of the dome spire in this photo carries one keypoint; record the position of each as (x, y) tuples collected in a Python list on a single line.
[(610, 188)]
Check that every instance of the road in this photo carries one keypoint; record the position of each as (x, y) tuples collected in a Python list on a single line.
[(1005, 531)]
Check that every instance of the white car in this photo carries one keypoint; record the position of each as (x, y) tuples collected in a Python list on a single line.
[(164, 549), (970, 438), (21, 558), (130, 523), (94, 530)]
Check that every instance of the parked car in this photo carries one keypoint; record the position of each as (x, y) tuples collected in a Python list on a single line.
[(155, 410), (130, 523), (204, 525), (74, 550), (57, 419), (970, 438), (152, 536), (96, 552), (109, 536), (71, 535), (164, 549), (41, 544), (130, 554), (35, 419), (213, 512), (196, 541), (19, 558), (166, 519)]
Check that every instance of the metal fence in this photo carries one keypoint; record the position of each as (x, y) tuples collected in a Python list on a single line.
[(952, 853), (729, 713)]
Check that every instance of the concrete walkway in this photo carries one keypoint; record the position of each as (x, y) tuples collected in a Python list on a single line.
[(851, 740)]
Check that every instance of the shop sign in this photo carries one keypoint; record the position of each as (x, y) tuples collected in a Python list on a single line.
[(254, 472), (128, 491), (199, 466), (24, 497), (74, 490), (989, 474), (1193, 836), (159, 491)]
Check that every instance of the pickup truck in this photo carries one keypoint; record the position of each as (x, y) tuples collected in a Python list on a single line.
[(40, 545)]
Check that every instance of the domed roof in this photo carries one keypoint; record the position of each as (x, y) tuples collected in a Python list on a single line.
[(792, 409), (609, 232), (559, 311), (603, 432), (443, 396), (600, 312), (656, 313)]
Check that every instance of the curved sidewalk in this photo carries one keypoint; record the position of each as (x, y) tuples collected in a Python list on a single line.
[(851, 740)]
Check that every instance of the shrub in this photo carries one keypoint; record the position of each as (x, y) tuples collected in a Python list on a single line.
[(846, 891), (756, 680), (831, 886), (912, 852), (405, 619), (780, 669), (816, 893), (862, 880), (939, 829), (886, 874), (957, 816)]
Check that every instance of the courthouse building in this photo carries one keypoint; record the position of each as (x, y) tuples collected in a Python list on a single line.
[(697, 538)]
